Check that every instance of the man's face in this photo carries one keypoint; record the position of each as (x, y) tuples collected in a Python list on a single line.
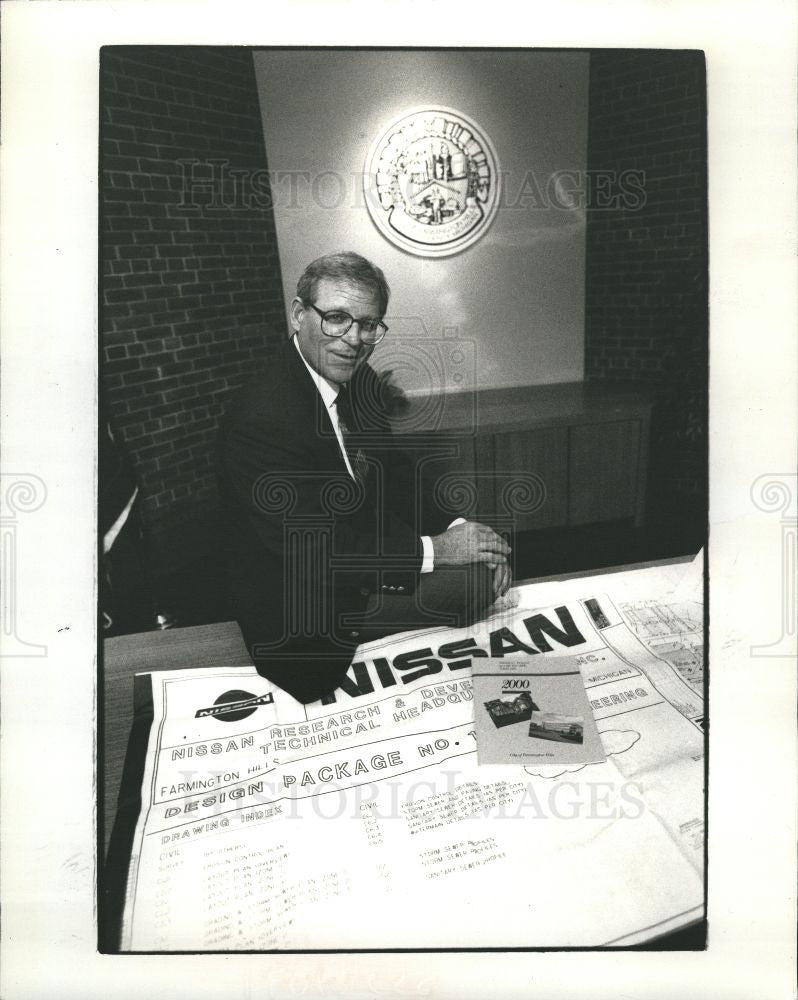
[(336, 358)]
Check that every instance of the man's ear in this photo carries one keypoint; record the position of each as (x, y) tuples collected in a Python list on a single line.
[(296, 313)]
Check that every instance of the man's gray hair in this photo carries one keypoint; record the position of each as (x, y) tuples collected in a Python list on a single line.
[(345, 265)]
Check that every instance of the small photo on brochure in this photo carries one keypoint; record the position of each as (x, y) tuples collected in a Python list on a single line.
[(562, 728), (506, 711)]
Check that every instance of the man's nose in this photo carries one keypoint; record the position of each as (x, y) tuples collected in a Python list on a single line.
[(352, 335)]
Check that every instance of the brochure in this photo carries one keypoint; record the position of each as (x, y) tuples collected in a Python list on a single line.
[(534, 712)]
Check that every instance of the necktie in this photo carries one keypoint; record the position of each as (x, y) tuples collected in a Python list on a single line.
[(357, 458)]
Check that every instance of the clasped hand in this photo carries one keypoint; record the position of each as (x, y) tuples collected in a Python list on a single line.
[(472, 542)]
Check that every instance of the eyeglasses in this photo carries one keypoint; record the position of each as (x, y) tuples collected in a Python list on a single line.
[(337, 323)]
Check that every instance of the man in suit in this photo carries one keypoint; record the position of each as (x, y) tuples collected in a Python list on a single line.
[(324, 546)]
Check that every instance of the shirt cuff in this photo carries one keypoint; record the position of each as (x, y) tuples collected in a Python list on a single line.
[(428, 562)]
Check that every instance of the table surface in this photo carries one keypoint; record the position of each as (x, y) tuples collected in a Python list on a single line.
[(220, 644)]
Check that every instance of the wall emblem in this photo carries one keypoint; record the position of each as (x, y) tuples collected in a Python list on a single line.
[(431, 182)]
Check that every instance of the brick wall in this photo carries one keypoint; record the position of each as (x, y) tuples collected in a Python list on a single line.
[(191, 296), (646, 276)]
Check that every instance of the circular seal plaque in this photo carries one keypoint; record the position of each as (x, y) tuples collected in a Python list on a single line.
[(431, 182)]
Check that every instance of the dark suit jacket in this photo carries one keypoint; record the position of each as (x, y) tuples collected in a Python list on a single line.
[(305, 544)]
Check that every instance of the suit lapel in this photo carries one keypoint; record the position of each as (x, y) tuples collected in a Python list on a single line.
[(314, 419)]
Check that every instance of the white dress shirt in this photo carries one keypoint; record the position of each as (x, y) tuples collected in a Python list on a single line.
[(329, 394)]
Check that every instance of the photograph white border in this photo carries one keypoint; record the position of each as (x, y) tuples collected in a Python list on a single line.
[(48, 205)]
